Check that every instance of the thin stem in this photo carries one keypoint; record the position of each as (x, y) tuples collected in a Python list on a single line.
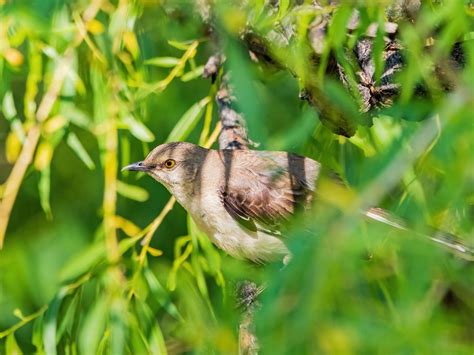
[(23, 322)]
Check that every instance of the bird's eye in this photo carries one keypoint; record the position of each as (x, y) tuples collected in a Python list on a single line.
[(170, 163)]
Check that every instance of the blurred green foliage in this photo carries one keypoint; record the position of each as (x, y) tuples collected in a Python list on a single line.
[(90, 265)]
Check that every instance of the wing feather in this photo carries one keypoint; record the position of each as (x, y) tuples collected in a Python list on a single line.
[(265, 188)]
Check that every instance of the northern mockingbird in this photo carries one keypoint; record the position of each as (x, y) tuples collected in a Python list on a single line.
[(239, 198)]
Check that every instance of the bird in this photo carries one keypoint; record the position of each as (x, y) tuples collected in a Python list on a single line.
[(241, 198)]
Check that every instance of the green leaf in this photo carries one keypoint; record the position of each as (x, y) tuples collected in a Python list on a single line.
[(8, 106), (37, 336), (183, 45), (157, 341), (160, 294), (132, 192), (75, 144), (165, 62), (11, 346), (138, 129), (44, 187), (83, 262), (93, 328), (193, 74), (75, 116), (90, 257), (188, 121), (50, 322)]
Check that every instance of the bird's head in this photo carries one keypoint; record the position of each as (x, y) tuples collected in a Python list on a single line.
[(174, 165)]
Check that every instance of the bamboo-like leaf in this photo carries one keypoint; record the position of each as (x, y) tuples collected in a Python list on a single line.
[(132, 192), (11, 346), (193, 74), (43, 156), (160, 294), (8, 106), (92, 331), (188, 121), (93, 255), (12, 147), (183, 45), (164, 62), (44, 188), (138, 129), (51, 321), (157, 341), (75, 144)]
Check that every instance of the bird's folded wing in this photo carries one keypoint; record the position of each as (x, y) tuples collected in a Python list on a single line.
[(264, 189)]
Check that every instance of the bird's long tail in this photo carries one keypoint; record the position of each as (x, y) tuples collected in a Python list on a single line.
[(445, 239)]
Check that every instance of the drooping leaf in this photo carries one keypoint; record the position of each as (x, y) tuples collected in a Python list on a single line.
[(138, 129), (164, 62), (92, 331), (132, 192), (193, 74), (75, 144), (188, 121), (160, 294), (8, 106)]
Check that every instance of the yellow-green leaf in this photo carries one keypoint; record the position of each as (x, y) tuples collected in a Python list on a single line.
[(138, 129), (43, 155), (75, 144), (188, 121), (165, 62), (12, 147), (132, 192)]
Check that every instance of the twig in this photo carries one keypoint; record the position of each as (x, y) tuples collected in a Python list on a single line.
[(24, 321), (234, 136), (17, 174)]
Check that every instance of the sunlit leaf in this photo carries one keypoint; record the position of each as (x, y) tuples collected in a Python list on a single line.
[(11, 346), (44, 155), (160, 294), (129, 228), (154, 252), (95, 27), (188, 121), (193, 74), (44, 188), (138, 129), (8, 106), (165, 62), (92, 330), (13, 56), (12, 147), (132, 192), (180, 45), (54, 123), (75, 144), (131, 43), (51, 322)]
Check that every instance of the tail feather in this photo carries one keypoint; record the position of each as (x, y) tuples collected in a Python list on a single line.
[(447, 240)]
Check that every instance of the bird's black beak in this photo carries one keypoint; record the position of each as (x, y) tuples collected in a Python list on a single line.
[(138, 166)]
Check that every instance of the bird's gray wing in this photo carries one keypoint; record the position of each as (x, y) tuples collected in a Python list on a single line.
[(263, 189)]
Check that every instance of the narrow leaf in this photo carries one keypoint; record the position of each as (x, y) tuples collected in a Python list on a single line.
[(188, 121), (11, 346), (165, 62), (183, 45), (160, 294), (138, 129), (75, 144), (132, 192), (8, 106), (44, 188), (193, 74)]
